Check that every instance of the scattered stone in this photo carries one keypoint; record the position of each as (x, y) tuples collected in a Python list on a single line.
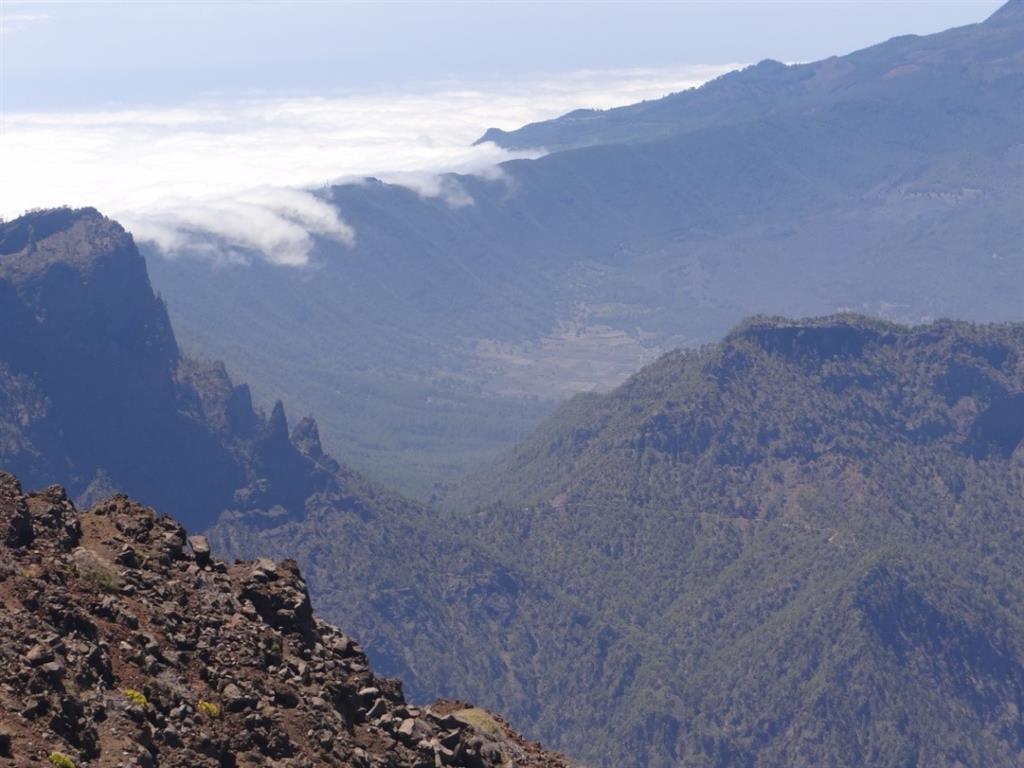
[(288, 699), (53, 670), (380, 706), (127, 557), (39, 655), (200, 549)]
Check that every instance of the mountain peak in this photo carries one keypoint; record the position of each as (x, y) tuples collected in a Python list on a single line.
[(1011, 13), (835, 335), (277, 424), (77, 237), (306, 437), (17, 234)]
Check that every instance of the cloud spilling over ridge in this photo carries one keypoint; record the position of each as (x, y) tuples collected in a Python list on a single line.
[(276, 222), (242, 170)]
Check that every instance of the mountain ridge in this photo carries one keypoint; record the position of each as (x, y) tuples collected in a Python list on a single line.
[(769, 87), (87, 330), (1011, 13)]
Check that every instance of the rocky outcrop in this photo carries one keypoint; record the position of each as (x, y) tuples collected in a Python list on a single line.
[(123, 643), (96, 394)]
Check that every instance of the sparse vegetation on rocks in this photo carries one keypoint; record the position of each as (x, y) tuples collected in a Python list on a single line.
[(136, 697), (138, 675), (61, 761)]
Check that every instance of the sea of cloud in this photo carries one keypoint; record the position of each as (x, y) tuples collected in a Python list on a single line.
[(239, 175)]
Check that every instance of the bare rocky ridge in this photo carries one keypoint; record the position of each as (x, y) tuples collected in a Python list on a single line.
[(123, 643)]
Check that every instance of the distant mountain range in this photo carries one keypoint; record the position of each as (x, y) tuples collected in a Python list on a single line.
[(943, 68), (887, 181)]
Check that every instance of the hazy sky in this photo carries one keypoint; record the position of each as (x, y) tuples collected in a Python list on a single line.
[(185, 118), (84, 54)]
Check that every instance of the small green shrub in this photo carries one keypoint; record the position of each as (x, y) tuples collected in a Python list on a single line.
[(109, 581), (61, 760), (480, 719), (99, 573), (136, 697), (209, 709)]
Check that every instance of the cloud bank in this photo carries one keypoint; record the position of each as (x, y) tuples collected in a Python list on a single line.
[(242, 169)]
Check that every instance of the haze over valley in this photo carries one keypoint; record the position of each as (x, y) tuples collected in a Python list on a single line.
[(846, 184)]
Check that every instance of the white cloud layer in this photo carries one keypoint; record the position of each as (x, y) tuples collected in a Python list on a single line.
[(241, 169)]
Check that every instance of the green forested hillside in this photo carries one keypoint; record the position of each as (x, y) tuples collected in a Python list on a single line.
[(771, 392), (801, 546)]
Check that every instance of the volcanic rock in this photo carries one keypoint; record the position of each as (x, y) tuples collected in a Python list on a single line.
[(118, 648)]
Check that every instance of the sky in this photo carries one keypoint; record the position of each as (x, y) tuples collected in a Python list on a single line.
[(82, 54), (185, 117)]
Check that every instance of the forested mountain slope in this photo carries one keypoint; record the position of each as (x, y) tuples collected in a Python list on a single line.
[(887, 181), (800, 545)]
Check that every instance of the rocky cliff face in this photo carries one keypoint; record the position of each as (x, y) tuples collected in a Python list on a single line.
[(123, 643), (95, 392)]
